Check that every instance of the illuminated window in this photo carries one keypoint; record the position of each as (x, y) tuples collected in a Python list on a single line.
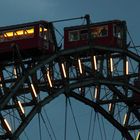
[(43, 32), (40, 29), (29, 31), (46, 34), (19, 32), (73, 35), (8, 34), (16, 34)]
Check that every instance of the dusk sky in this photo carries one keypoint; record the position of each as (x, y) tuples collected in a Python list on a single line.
[(23, 11), (20, 11)]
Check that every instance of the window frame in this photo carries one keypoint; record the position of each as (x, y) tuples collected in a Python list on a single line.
[(115, 33), (96, 31), (69, 34), (16, 36), (84, 36)]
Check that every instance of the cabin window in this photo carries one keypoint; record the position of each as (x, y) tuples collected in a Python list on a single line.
[(94, 32), (101, 31), (46, 34), (116, 31), (16, 34), (8, 34), (74, 35), (84, 34), (43, 32), (29, 31), (19, 32)]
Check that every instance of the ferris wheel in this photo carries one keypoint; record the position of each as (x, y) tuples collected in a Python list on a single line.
[(88, 90)]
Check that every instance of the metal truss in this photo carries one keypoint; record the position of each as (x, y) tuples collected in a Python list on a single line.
[(28, 85)]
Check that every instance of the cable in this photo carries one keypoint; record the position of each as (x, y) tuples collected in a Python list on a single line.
[(68, 19), (104, 129), (132, 42), (74, 119), (50, 124), (90, 124), (113, 136), (40, 136), (26, 135), (65, 130), (94, 121), (46, 126), (62, 36), (100, 126)]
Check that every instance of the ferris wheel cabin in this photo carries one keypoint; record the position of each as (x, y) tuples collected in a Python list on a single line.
[(32, 39), (108, 34)]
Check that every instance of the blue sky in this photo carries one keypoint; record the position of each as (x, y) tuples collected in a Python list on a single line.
[(21, 11)]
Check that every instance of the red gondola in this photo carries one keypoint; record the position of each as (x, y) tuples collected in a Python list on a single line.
[(109, 34), (31, 38)]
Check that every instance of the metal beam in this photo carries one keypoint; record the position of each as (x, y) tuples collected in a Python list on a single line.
[(104, 113), (33, 112)]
